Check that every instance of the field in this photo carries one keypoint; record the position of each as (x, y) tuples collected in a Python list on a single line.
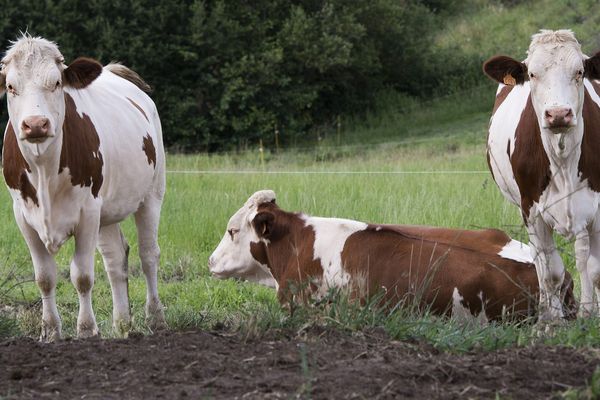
[(230, 339)]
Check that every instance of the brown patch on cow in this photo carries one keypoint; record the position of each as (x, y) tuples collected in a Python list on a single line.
[(130, 75), (81, 149), (81, 72), (530, 163), (289, 255), (15, 167), (488, 241), (45, 286), (139, 108), (83, 284), (259, 252), (502, 95), (591, 67), (589, 161), (149, 149), (423, 271)]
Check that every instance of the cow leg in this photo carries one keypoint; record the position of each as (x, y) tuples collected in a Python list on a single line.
[(82, 268), (584, 263), (45, 277), (114, 250), (593, 272), (146, 220), (549, 267)]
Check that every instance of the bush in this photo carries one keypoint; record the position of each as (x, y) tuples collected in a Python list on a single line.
[(228, 73)]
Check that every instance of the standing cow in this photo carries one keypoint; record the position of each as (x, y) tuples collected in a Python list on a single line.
[(82, 151), (544, 154)]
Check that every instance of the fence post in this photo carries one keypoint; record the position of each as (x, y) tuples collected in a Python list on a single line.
[(339, 129), (276, 139), (261, 152)]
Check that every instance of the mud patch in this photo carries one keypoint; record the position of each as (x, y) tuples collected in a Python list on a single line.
[(322, 365)]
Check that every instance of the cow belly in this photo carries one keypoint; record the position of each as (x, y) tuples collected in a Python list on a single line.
[(122, 193), (502, 171)]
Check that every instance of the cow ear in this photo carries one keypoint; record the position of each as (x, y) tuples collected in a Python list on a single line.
[(81, 72), (591, 67), (507, 70), (263, 223)]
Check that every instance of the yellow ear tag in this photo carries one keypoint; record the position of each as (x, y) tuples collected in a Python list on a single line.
[(509, 80)]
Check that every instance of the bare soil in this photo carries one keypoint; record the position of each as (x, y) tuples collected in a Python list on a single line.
[(318, 365)]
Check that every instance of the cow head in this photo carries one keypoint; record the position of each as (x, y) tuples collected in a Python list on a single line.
[(555, 68), (33, 76), (233, 257)]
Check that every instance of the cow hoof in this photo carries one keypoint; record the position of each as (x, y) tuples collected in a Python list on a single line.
[(50, 334), (549, 326), (586, 313), (122, 327), (155, 317), (85, 331)]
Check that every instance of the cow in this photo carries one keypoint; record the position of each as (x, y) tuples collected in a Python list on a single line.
[(82, 151), (543, 147), (483, 272)]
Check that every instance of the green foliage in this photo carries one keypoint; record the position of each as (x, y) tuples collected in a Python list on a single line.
[(228, 73)]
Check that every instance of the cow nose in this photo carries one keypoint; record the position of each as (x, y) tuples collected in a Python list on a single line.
[(559, 117), (35, 127)]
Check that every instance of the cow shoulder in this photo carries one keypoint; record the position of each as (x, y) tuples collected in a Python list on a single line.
[(501, 96), (530, 163), (589, 162), (15, 167), (81, 149)]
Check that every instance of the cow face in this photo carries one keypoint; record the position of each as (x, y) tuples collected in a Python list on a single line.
[(233, 256), (555, 68), (34, 77)]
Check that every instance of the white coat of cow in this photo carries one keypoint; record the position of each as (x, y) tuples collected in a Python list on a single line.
[(544, 154), (82, 151)]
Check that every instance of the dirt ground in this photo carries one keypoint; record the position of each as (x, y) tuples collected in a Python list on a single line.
[(319, 365)]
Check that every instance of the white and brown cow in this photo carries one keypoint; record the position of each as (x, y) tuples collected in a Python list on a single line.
[(544, 154), (82, 151), (443, 269)]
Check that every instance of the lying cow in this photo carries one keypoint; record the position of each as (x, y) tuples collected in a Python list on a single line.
[(82, 151), (444, 268)]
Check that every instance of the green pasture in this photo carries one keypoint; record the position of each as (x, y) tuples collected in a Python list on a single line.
[(437, 178)]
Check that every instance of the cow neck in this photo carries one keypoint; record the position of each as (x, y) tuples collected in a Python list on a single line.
[(43, 174), (563, 149), (290, 247)]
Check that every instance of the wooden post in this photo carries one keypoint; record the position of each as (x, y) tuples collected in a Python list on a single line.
[(276, 139)]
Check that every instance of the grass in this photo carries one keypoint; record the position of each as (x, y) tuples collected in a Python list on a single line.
[(487, 28), (198, 206)]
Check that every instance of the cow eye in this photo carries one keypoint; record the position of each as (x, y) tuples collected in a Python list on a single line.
[(57, 85), (11, 89), (531, 75), (232, 232)]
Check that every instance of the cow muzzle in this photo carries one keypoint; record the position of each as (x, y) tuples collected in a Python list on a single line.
[(35, 129), (559, 118)]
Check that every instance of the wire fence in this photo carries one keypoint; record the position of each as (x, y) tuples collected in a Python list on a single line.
[(252, 172)]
